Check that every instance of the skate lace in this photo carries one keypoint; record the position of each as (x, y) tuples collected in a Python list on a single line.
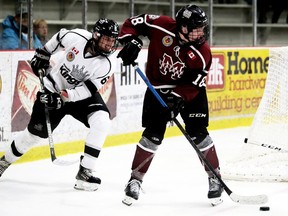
[(214, 184), (87, 174), (135, 186)]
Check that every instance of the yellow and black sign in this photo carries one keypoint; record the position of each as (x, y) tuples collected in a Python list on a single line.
[(236, 82)]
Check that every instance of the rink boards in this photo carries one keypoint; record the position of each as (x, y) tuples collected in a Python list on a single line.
[(235, 85)]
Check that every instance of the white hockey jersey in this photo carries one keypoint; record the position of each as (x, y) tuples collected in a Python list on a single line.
[(70, 67)]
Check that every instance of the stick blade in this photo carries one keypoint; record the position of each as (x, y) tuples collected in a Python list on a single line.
[(60, 162), (250, 200)]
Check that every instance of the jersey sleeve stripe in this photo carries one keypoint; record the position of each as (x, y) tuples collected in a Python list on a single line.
[(200, 56), (158, 27)]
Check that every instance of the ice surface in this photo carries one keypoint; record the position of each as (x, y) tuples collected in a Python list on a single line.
[(175, 185)]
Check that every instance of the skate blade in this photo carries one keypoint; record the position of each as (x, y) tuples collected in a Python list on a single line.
[(85, 186), (128, 200), (216, 201)]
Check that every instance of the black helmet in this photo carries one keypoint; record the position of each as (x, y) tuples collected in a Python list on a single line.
[(192, 17), (108, 28)]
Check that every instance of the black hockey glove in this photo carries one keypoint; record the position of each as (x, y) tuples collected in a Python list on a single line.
[(129, 52), (40, 60), (175, 105), (51, 100)]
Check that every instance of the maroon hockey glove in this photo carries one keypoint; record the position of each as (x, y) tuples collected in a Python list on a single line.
[(51, 100), (40, 60), (129, 52)]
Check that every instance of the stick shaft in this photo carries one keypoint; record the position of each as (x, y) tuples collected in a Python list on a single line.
[(54, 159), (182, 129), (258, 199)]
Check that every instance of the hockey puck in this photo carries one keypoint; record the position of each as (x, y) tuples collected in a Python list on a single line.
[(264, 208)]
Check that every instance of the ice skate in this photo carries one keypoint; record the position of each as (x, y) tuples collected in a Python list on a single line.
[(85, 180), (132, 191), (215, 191), (3, 165)]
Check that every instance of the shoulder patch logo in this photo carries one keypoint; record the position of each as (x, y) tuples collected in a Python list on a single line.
[(167, 40), (70, 56)]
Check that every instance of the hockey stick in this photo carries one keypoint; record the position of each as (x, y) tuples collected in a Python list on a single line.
[(255, 199), (272, 147), (54, 159)]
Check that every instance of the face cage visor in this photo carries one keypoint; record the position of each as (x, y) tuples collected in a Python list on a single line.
[(197, 41), (103, 41)]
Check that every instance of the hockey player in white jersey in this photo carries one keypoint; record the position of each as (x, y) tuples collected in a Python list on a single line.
[(77, 64)]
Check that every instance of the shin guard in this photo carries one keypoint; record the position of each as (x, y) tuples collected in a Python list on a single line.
[(144, 154), (208, 150)]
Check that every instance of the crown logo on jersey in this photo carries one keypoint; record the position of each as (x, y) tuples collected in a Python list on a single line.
[(78, 73)]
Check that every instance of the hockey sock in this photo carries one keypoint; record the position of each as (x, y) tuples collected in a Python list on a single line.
[(22, 143), (207, 148), (141, 162), (211, 156)]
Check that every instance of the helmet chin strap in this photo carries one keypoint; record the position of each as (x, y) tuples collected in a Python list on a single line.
[(183, 38), (91, 46)]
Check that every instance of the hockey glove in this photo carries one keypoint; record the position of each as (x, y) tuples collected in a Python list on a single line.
[(40, 60), (51, 100), (129, 52), (175, 105)]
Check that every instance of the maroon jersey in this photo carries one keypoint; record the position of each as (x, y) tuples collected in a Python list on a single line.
[(170, 65)]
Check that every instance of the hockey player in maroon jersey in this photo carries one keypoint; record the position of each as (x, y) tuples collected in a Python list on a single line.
[(179, 58), (77, 65)]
